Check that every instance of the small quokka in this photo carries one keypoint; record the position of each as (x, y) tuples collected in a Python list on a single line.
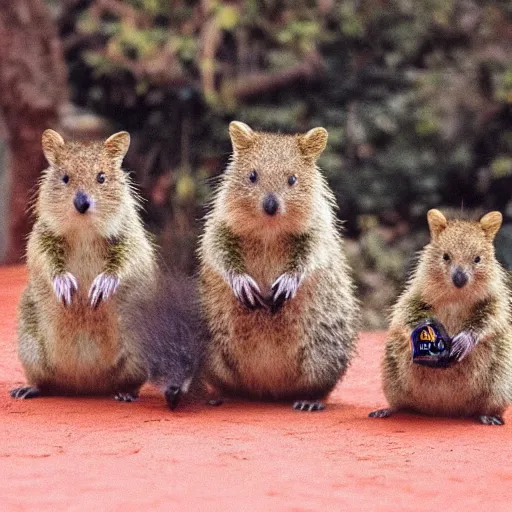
[(275, 287), (87, 255), (172, 335), (459, 283)]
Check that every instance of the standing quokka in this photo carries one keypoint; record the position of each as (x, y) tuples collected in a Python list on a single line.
[(459, 283), (275, 286), (87, 255)]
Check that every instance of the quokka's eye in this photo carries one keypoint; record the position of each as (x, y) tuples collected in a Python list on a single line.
[(477, 259), (292, 180), (65, 179), (253, 176), (446, 257), (101, 177)]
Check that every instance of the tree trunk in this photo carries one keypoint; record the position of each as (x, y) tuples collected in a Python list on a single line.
[(33, 85)]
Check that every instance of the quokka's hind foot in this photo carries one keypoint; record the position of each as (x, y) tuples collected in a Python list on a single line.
[(308, 405), (215, 402), (491, 420), (126, 397), (381, 413), (25, 392)]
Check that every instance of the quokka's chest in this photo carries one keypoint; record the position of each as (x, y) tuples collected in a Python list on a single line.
[(85, 259), (265, 262), (453, 317)]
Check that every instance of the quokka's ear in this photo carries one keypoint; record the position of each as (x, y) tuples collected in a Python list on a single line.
[(436, 222), (312, 144), (242, 135), (491, 223), (52, 143), (117, 145)]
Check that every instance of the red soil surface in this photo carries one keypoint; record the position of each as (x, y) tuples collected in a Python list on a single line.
[(98, 454)]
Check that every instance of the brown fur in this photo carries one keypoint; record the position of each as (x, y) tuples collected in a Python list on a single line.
[(78, 348), (480, 384), (301, 351)]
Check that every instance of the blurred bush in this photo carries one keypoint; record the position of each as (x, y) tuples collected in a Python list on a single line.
[(416, 97)]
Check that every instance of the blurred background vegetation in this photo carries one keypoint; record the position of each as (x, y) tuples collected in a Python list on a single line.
[(416, 96)]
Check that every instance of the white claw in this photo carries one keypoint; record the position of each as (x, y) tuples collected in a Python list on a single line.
[(244, 286), (102, 288), (462, 344), (64, 285), (287, 284)]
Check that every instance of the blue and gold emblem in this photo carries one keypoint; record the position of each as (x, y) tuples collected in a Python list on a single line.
[(431, 345)]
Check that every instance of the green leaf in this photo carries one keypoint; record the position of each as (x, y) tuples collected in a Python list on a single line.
[(501, 167), (227, 17)]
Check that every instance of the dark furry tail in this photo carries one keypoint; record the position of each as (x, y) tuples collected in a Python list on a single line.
[(172, 335)]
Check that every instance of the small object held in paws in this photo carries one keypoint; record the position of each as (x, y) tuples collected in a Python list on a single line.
[(431, 345), (64, 286), (247, 291), (102, 288), (308, 405)]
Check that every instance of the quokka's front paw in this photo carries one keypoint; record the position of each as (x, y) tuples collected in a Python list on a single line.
[(64, 286), (247, 291), (462, 344), (102, 288), (285, 288)]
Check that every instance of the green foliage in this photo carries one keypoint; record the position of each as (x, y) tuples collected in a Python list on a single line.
[(416, 96)]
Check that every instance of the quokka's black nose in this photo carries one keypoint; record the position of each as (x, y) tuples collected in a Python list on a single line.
[(270, 204), (81, 202), (459, 278)]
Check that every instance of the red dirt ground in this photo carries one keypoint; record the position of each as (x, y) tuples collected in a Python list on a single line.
[(98, 454)]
